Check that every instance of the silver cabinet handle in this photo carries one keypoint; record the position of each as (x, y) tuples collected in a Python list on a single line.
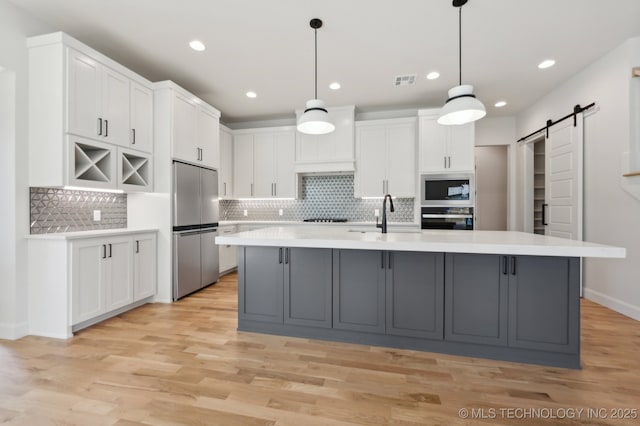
[(104, 251), (252, 190), (110, 250), (137, 246), (445, 162), (275, 189), (133, 136), (99, 126), (225, 188), (106, 128)]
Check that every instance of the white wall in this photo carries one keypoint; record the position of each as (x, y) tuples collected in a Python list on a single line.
[(610, 214), (15, 26)]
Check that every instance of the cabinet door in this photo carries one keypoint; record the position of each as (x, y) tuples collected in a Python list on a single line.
[(141, 118), (115, 107), (264, 165), (225, 175), (307, 287), (118, 273), (359, 290), (433, 145), (260, 284), (285, 178), (371, 152), (228, 254), (243, 165), (88, 258), (401, 164), (84, 95), (209, 138), (544, 303), (185, 119), (144, 266), (415, 294), (461, 155), (475, 299)]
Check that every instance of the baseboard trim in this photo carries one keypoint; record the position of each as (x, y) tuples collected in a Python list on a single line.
[(612, 303), (13, 331)]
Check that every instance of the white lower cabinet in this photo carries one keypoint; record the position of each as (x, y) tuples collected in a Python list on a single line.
[(144, 266), (75, 282), (228, 254), (102, 278)]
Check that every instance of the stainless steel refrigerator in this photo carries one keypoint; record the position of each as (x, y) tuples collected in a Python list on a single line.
[(195, 226)]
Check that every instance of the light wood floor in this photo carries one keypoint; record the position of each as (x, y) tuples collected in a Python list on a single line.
[(185, 363)]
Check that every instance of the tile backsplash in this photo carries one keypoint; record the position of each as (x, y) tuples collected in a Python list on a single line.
[(61, 210), (322, 197)]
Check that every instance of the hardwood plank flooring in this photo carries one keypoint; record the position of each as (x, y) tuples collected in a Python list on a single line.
[(185, 363)]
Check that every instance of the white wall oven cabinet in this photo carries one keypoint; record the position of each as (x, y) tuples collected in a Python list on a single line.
[(83, 106), (263, 163), (385, 158), (86, 280), (445, 148)]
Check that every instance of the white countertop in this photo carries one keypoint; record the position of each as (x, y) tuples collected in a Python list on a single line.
[(484, 242), (90, 234)]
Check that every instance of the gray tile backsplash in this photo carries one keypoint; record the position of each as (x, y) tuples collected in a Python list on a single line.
[(322, 197), (61, 210)]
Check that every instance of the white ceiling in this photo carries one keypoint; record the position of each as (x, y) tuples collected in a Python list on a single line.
[(267, 46)]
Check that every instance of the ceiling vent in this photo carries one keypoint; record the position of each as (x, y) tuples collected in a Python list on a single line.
[(405, 80)]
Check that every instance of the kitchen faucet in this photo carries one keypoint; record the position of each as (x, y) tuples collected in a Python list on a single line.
[(383, 225)]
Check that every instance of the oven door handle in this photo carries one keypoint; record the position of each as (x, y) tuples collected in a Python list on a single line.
[(447, 216)]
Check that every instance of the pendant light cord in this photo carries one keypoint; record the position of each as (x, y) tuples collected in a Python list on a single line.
[(315, 33), (460, 46)]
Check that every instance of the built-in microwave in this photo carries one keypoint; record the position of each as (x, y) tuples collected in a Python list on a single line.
[(451, 189)]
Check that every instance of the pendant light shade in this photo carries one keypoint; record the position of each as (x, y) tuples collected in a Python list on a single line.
[(315, 120), (462, 107)]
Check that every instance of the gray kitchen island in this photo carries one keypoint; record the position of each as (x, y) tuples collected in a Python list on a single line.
[(491, 294)]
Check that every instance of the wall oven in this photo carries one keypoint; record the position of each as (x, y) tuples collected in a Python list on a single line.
[(451, 189), (447, 218)]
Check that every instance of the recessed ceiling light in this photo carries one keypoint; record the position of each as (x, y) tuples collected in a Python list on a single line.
[(546, 64), (197, 45), (500, 104), (433, 75), (334, 86), (251, 95)]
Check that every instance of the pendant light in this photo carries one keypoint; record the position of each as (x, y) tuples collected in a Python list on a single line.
[(315, 120), (462, 107)]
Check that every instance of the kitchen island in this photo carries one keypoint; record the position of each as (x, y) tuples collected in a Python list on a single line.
[(502, 295)]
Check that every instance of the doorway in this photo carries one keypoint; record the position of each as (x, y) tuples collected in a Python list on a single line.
[(491, 187)]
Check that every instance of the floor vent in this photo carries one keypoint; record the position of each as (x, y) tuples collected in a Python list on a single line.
[(405, 80)]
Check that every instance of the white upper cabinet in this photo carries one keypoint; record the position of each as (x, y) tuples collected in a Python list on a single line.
[(196, 128), (225, 174), (243, 165), (386, 153), (445, 148), (141, 117), (208, 137), (84, 108), (333, 152), (263, 163)]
